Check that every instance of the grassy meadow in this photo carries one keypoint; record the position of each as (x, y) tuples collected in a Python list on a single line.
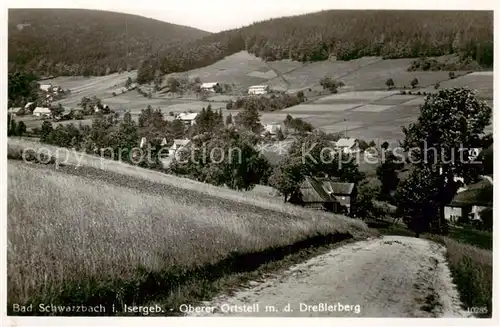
[(126, 235)]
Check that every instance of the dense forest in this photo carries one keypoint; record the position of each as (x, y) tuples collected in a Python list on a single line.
[(344, 35), (56, 44), (86, 42)]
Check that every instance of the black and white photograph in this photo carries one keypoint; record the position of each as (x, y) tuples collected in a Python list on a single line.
[(253, 159)]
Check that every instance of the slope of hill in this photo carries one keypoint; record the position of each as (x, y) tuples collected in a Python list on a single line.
[(87, 42), (344, 35), (104, 232)]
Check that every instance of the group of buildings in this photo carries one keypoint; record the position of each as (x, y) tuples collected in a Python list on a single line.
[(215, 87)]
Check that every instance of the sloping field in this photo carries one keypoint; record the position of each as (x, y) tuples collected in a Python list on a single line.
[(285, 66), (324, 108), (356, 96), (107, 221), (480, 81), (374, 76), (234, 69), (310, 74), (99, 86)]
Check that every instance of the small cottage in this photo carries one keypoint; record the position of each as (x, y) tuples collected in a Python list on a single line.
[(326, 194)]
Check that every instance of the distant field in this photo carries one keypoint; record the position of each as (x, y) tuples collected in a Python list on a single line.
[(89, 86), (480, 81), (370, 110), (310, 74), (235, 70), (374, 76), (74, 122)]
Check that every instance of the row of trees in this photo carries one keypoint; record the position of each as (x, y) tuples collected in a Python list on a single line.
[(267, 103)]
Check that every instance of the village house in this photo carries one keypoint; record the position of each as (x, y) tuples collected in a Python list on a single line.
[(210, 87), (348, 145), (42, 112), (469, 201), (15, 111), (188, 119), (272, 128), (178, 145), (144, 141), (326, 194), (98, 108), (45, 87), (258, 89)]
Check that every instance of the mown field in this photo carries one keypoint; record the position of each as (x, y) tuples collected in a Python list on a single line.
[(110, 233)]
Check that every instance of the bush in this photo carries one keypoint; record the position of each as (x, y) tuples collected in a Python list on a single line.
[(437, 85), (389, 83), (414, 83), (451, 75)]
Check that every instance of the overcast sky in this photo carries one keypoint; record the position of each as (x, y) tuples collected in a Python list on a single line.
[(218, 15)]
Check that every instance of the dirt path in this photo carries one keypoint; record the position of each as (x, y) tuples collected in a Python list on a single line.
[(391, 276)]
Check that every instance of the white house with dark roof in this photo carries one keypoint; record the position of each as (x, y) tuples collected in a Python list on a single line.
[(42, 112), (188, 118), (258, 89), (210, 87), (348, 145)]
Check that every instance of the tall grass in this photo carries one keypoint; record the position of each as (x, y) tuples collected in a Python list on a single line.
[(472, 271), (79, 239)]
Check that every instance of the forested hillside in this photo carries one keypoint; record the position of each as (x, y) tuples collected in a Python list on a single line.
[(343, 34), (86, 42)]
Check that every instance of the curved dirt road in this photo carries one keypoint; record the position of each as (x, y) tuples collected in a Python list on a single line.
[(391, 276)]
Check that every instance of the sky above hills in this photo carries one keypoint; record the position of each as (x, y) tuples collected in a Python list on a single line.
[(218, 15)]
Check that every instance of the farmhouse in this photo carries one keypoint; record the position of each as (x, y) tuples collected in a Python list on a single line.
[(326, 194), (468, 204), (178, 145), (188, 119), (210, 87), (347, 145), (45, 87), (258, 89), (272, 128), (41, 112), (15, 111), (99, 107)]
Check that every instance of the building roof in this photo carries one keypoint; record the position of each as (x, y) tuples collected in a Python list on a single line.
[(181, 142), (335, 187), (14, 110), (312, 191), (188, 116), (324, 189), (258, 86), (45, 87), (28, 104), (346, 142), (209, 85), (42, 110), (480, 193)]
